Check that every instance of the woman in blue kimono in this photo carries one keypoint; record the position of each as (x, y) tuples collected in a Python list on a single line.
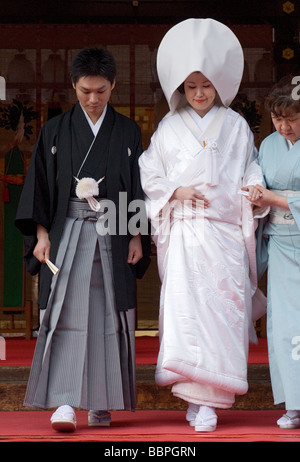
[(280, 161)]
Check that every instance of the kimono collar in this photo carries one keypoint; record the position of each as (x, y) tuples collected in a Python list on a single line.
[(203, 122), (192, 136), (95, 127), (291, 145)]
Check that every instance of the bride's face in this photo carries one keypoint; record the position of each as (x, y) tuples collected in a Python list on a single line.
[(200, 93)]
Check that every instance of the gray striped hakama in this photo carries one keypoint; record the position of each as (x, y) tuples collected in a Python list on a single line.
[(85, 352)]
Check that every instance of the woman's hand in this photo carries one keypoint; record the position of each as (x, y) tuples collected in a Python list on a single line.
[(268, 198), (254, 193), (42, 248), (188, 193), (135, 251)]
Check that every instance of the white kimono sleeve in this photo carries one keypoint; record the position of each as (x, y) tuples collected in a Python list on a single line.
[(155, 183)]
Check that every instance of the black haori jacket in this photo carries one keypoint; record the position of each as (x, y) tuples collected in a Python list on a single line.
[(46, 192)]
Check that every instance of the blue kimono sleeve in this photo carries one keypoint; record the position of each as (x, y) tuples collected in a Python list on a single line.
[(294, 204)]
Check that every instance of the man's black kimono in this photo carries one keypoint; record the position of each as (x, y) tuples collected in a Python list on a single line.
[(57, 157)]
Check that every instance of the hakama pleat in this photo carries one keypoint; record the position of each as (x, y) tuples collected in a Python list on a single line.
[(85, 353)]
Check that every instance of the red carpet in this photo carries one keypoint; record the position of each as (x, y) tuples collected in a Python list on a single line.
[(158, 428), (147, 426), (19, 352)]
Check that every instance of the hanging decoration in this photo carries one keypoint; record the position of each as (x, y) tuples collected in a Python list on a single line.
[(247, 109), (17, 117)]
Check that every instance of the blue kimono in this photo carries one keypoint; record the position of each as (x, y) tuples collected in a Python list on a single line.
[(280, 251)]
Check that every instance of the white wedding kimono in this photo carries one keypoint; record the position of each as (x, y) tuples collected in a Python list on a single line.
[(206, 257)]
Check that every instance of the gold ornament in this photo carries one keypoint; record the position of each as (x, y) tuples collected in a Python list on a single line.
[(288, 7), (288, 53)]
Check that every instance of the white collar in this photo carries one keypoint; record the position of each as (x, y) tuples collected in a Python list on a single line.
[(95, 127), (202, 122)]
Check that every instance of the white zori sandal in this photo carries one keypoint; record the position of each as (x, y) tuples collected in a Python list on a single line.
[(289, 421), (191, 413), (99, 419), (206, 419), (64, 419)]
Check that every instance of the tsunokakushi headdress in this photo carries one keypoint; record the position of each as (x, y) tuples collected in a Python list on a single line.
[(203, 45)]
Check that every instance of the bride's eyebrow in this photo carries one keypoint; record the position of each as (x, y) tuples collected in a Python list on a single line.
[(194, 83)]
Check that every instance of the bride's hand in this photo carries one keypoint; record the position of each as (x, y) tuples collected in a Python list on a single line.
[(189, 193)]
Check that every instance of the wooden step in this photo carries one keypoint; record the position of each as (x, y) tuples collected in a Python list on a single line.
[(13, 382)]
